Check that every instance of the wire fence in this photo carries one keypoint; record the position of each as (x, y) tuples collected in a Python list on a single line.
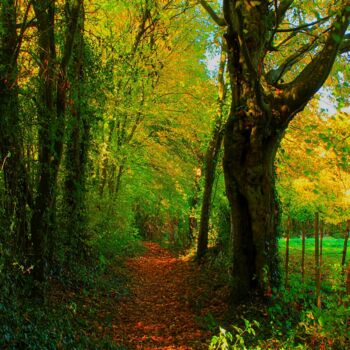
[(321, 260)]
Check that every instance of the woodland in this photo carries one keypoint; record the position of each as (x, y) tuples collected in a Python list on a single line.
[(174, 174)]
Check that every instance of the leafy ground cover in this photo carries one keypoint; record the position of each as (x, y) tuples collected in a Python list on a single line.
[(163, 310), (159, 300)]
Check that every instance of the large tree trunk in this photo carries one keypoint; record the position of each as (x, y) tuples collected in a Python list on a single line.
[(251, 139), (250, 186)]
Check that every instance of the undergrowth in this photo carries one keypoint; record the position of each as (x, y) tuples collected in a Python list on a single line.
[(72, 315), (290, 320)]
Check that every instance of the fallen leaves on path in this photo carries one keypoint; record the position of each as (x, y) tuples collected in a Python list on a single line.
[(159, 314)]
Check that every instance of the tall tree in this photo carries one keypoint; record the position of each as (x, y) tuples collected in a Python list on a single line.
[(17, 190), (211, 159), (270, 84), (51, 115), (78, 141)]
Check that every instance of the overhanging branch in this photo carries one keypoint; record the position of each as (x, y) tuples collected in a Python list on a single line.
[(274, 75), (281, 11), (303, 26), (217, 19), (311, 78)]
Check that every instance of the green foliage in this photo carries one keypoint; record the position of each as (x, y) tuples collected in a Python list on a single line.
[(292, 321), (139, 104), (234, 340), (45, 328), (289, 318), (314, 176)]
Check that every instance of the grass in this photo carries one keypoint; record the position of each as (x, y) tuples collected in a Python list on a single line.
[(332, 247)]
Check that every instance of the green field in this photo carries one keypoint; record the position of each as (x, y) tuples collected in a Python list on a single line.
[(332, 249)]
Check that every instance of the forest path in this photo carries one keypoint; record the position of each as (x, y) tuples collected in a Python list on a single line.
[(158, 313)]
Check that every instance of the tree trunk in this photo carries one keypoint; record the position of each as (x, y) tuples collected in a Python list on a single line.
[(52, 109), (119, 175), (211, 159), (321, 246), (347, 281), (105, 157), (44, 200), (77, 154), (250, 186), (252, 135), (192, 220), (17, 193)]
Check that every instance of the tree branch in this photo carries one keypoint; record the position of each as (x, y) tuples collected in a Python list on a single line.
[(23, 28), (298, 93), (281, 11), (248, 61), (29, 24), (274, 75), (345, 45), (303, 26), (276, 17), (70, 34), (217, 19)]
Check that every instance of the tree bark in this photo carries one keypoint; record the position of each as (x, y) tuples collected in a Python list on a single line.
[(211, 160), (119, 176), (250, 188)]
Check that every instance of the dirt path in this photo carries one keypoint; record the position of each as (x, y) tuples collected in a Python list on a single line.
[(158, 313)]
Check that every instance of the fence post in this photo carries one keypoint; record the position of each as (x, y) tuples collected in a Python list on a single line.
[(347, 282), (346, 238), (303, 235), (317, 261), (289, 224)]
